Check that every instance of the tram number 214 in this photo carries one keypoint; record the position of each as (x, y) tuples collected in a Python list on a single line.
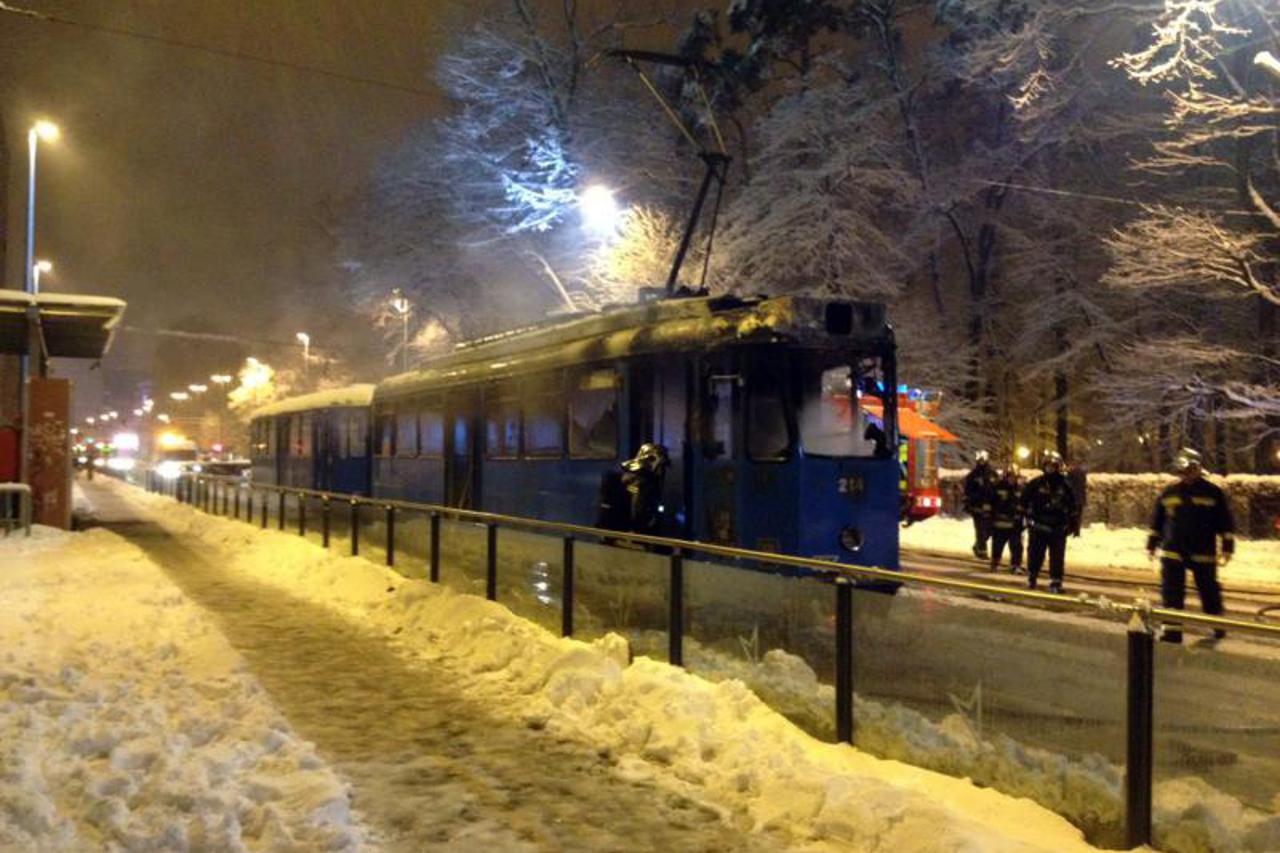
[(852, 485)]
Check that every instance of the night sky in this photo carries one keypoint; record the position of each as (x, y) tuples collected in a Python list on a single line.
[(199, 187)]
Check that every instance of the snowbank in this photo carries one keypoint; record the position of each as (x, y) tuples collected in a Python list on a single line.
[(127, 722), (1124, 549), (714, 742)]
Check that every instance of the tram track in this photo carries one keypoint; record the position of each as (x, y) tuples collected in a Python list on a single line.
[(1253, 602)]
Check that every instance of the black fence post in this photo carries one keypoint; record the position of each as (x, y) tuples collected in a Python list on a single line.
[(391, 535), (844, 660), (1140, 756), (355, 528), (235, 501), (266, 499), (491, 565), (675, 617), (302, 514), (325, 521), (434, 569), (566, 591), (226, 501), (280, 509)]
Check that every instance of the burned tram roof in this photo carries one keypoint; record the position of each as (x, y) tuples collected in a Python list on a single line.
[(698, 323)]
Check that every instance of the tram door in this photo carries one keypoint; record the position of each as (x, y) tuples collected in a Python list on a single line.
[(718, 477), (659, 413), (462, 451)]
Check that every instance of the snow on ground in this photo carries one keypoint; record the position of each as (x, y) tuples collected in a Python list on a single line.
[(1257, 561), (716, 743), (128, 722)]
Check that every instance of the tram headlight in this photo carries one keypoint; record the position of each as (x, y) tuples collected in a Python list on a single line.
[(851, 539)]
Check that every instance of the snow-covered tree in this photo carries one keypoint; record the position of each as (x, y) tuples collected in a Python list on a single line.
[(479, 207), (1208, 246)]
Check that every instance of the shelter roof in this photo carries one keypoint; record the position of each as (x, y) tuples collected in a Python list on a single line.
[(70, 325)]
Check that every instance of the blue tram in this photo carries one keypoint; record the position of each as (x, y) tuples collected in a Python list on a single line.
[(315, 441), (759, 404)]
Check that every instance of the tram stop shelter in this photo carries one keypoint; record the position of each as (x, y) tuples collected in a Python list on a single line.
[(35, 410)]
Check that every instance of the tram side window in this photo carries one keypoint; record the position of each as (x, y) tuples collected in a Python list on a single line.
[(431, 430), (289, 431), (406, 433), (843, 411), (357, 435), (593, 415), (767, 435), (544, 424), (304, 435), (272, 443), (718, 418), (384, 441), (502, 419)]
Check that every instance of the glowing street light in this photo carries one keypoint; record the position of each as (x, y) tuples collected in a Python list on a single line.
[(1023, 453), (179, 396), (403, 308), (162, 418), (305, 340), (40, 267), (197, 388), (221, 378), (599, 210)]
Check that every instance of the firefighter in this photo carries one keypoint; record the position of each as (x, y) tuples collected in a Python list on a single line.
[(642, 476), (1006, 519), (1049, 505), (977, 489), (1190, 516)]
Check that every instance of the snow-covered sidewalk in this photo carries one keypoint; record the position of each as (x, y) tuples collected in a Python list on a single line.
[(699, 749), (128, 722), (1107, 549)]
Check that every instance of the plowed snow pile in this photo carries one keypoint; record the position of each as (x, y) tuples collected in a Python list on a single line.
[(126, 721), (715, 742)]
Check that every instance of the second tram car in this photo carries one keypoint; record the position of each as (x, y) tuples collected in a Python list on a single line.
[(315, 441), (737, 392)]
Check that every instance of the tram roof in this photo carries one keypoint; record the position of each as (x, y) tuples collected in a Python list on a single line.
[(680, 324), (350, 396)]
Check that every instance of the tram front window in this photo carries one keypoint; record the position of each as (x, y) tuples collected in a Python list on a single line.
[(842, 413)]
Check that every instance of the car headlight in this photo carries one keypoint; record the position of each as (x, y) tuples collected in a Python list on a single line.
[(169, 469)]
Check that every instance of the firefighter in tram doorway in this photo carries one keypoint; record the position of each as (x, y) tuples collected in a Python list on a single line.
[(1049, 505), (1189, 517), (1006, 518), (630, 497), (977, 492)]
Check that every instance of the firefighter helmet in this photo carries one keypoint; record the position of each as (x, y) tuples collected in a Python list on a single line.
[(1186, 460)]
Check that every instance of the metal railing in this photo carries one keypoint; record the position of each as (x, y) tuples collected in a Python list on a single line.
[(252, 502)]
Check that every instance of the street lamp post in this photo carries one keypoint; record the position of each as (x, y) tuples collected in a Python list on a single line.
[(40, 267), (222, 380), (305, 340), (403, 307), (47, 131)]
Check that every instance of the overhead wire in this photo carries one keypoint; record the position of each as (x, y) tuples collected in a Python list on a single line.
[(227, 53)]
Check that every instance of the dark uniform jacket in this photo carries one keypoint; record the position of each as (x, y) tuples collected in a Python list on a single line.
[(1188, 519), (1050, 505), (977, 485), (1006, 505)]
